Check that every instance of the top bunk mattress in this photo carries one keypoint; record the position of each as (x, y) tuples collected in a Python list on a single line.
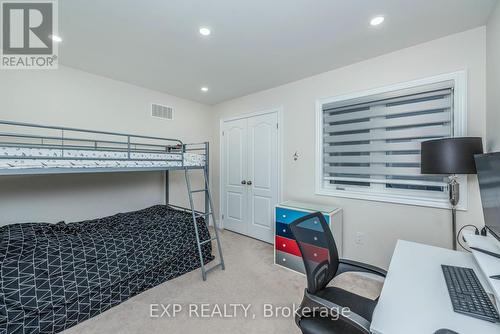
[(23, 158)]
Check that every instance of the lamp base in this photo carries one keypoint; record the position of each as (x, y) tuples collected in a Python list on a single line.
[(454, 226), (454, 192)]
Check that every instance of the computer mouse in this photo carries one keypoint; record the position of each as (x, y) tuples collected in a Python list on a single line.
[(445, 331)]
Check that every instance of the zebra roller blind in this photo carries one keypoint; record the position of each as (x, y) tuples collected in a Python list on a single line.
[(373, 142)]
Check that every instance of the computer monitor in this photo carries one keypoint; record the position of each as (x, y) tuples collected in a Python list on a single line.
[(488, 173)]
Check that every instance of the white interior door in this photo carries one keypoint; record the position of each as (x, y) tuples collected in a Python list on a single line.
[(262, 180), (250, 175), (235, 194)]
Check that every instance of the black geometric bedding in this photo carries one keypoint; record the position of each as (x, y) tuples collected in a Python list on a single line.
[(54, 276)]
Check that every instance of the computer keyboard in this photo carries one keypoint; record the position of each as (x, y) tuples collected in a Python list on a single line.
[(467, 295)]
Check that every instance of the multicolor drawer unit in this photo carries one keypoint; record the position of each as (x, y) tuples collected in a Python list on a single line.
[(287, 252)]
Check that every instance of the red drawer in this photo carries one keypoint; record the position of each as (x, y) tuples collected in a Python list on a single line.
[(315, 253), (287, 245)]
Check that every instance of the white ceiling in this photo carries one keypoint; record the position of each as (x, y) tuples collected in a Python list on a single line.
[(255, 44)]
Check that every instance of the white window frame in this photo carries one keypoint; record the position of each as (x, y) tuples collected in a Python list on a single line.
[(409, 197)]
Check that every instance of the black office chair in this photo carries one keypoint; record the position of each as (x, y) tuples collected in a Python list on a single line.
[(322, 264)]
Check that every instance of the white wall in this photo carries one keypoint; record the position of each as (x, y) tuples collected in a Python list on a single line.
[(493, 83), (381, 223), (72, 98)]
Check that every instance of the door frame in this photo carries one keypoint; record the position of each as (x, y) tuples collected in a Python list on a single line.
[(279, 113)]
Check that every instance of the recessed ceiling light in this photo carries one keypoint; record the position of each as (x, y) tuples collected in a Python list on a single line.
[(377, 20), (204, 89), (205, 31), (56, 38)]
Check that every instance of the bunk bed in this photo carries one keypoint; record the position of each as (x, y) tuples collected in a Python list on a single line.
[(53, 276)]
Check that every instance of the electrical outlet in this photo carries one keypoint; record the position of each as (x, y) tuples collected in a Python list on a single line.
[(360, 238)]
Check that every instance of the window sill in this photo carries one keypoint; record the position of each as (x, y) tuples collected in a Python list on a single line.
[(391, 198)]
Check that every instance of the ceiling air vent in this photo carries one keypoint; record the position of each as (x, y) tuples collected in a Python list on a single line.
[(160, 111)]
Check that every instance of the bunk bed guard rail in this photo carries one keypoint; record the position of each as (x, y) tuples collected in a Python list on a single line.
[(32, 148)]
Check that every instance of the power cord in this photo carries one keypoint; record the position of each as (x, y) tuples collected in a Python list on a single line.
[(476, 231)]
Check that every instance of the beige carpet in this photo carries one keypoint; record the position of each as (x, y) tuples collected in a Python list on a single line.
[(250, 278)]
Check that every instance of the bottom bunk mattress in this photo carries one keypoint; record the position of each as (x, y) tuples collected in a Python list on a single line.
[(53, 276)]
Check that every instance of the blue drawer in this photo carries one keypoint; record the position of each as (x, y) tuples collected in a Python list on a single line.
[(313, 237), (309, 235), (283, 230), (287, 216)]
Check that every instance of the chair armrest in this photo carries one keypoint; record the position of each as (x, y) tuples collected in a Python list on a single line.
[(349, 265), (344, 313)]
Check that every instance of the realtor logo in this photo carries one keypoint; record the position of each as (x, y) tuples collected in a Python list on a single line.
[(27, 30)]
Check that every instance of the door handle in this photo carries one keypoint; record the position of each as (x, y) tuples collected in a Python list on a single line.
[(243, 182), (249, 183)]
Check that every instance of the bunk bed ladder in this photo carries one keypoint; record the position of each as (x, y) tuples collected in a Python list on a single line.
[(208, 212)]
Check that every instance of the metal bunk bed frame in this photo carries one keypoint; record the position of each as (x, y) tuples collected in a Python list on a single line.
[(64, 140)]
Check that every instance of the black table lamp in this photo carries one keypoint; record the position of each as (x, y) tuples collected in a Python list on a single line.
[(451, 156)]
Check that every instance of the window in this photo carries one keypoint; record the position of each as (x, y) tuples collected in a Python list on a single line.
[(369, 143)]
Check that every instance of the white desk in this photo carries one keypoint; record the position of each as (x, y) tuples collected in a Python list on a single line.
[(415, 299)]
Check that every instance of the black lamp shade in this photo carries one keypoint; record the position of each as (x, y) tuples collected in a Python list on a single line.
[(450, 155)]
